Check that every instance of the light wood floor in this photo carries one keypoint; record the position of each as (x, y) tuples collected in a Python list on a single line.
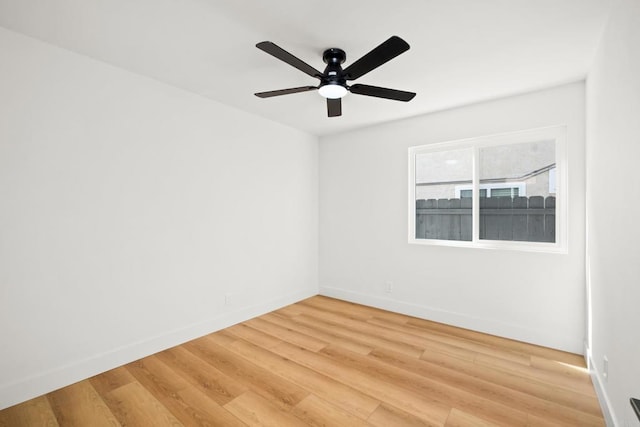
[(328, 362)]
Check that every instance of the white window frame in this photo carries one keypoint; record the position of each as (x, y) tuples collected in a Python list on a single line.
[(556, 133), (552, 180)]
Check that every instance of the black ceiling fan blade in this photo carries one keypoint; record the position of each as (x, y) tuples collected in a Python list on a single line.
[(388, 50), (334, 107), (382, 92), (275, 50), (271, 93)]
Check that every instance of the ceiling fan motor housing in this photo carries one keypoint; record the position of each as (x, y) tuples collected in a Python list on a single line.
[(333, 74), (334, 56)]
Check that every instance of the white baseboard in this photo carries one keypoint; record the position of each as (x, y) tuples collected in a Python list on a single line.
[(53, 379), (488, 326), (603, 398)]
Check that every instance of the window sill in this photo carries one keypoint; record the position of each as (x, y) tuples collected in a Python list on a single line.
[(540, 247)]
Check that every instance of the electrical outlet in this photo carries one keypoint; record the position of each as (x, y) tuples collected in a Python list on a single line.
[(605, 368), (388, 288)]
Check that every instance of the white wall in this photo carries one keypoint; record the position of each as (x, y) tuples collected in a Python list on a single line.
[(534, 297), (129, 209), (613, 153)]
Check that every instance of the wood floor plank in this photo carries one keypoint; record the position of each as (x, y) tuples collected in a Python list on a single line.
[(156, 377), (386, 415), (318, 413), (79, 405), (133, 405), (289, 310), (366, 328), (561, 368), (256, 411), (340, 395), (343, 308), (252, 335), (262, 381), (505, 343), (423, 407), (285, 334), (448, 395), (111, 380), (323, 361), (225, 338), (459, 418), (334, 339), (568, 398), (193, 408), (189, 405), (495, 392), (359, 337), (534, 374), (334, 305), (535, 421), (34, 412), (451, 350), (218, 386), (438, 340)]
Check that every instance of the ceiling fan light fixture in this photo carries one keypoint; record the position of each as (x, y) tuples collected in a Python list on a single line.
[(332, 90)]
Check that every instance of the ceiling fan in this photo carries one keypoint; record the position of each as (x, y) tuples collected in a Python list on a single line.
[(333, 81)]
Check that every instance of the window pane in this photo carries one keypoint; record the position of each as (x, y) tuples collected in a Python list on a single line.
[(505, 192), (443, 195), (521, 205), (466, 193)]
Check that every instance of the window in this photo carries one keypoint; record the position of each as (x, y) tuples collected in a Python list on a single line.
[(503, 191)]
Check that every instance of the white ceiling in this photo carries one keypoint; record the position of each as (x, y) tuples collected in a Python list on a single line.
[(462, 51)]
